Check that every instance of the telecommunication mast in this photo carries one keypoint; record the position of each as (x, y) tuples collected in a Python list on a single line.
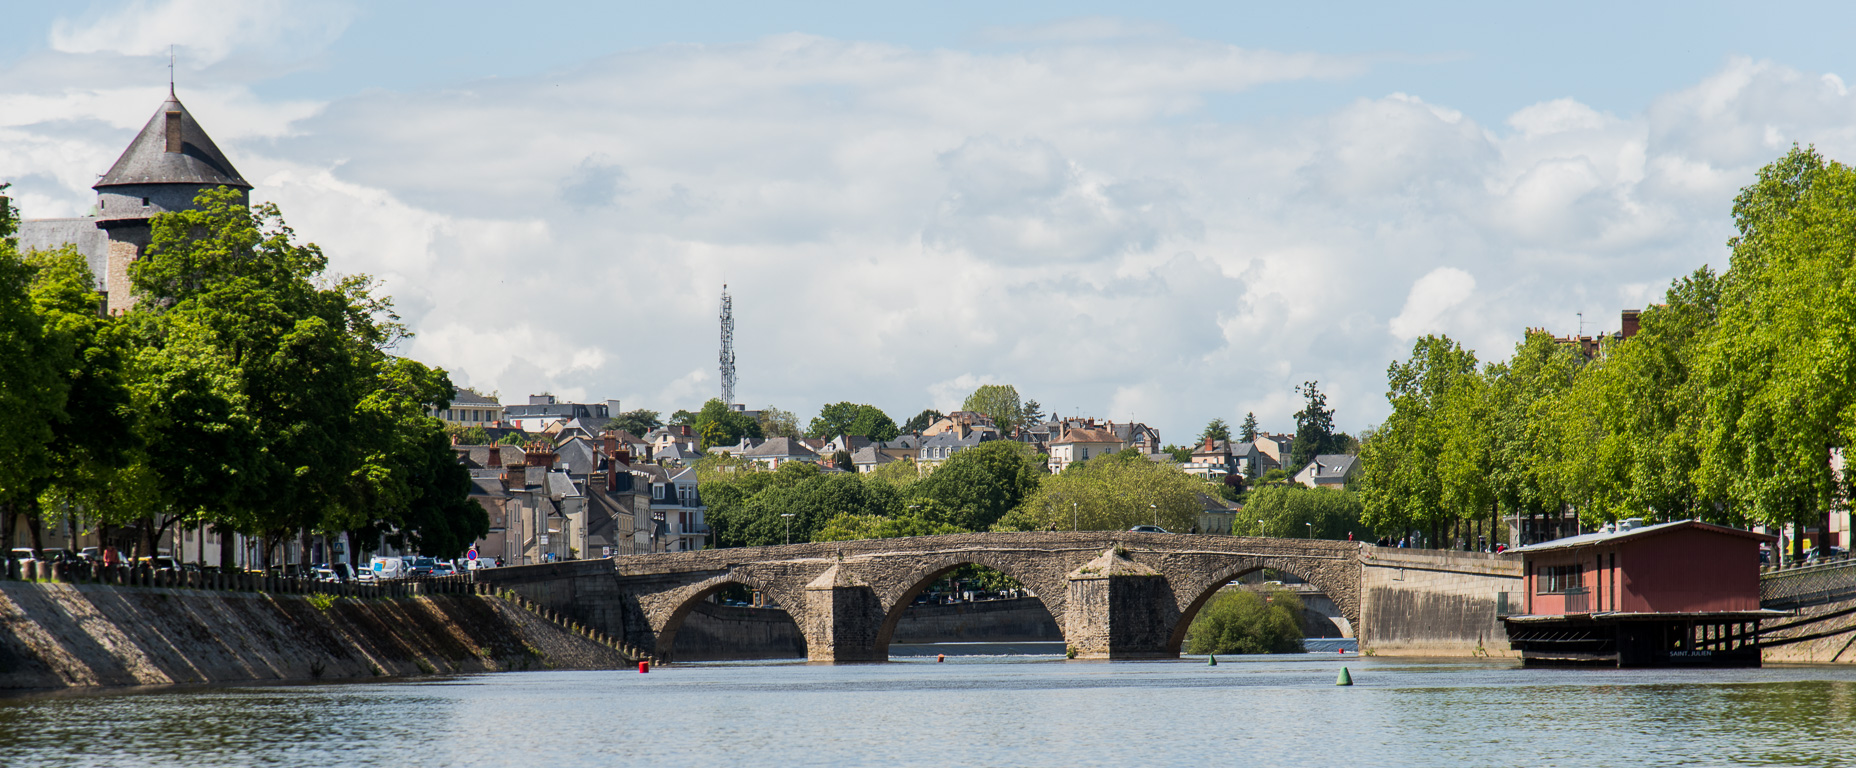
[(728, 348)]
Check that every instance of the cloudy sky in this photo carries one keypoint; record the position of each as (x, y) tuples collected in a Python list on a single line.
[(1165, 212)]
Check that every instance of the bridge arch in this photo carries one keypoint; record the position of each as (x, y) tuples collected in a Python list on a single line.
[(685, 600), (926, 571), (1193, 596)]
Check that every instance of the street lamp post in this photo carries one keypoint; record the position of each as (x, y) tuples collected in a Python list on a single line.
[(1156, 509), (1311, 529), (1075, 525), (789, 526), (1260, 529)]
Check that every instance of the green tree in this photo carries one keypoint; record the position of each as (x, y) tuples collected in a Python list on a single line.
[(1248, 432), (1031, 413), (1783, 354), (922, 420), (1314, 428), (682, 418), (639, 422), (1401, 486), (847, 526), (977, 486), (1115, 492), (270, 392), (1216, 430), (1248, 621), (998, 401), (778, 423), (852, 419), (32, 390), (1294, 511), (719, 424)]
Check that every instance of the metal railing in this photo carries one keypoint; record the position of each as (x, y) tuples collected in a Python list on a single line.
[(1805, 585), (1578, 600), (234, 581)]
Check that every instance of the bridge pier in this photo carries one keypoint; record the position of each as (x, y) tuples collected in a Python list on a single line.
[(843, 617), (1117, 608)]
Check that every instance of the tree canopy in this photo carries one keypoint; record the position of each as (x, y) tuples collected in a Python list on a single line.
[(1000, 402), (852, 419), (638, 422), (246, 389)]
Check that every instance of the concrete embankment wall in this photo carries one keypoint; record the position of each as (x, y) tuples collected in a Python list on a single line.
[(68, 635), (1820, 634), (718, 632), (1435, 602)]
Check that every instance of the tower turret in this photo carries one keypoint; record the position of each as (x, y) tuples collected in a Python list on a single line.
[(167, 165)]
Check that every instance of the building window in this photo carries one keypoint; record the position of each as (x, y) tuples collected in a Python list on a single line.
[(1554, 579), (1082, 454)]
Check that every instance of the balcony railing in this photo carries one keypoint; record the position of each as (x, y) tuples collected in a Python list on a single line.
[(1578, 600)]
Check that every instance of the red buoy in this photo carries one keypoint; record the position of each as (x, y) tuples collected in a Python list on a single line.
[(940, 657), (643, 667)]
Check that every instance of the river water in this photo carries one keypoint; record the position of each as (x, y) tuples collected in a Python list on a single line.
[(976, 710)]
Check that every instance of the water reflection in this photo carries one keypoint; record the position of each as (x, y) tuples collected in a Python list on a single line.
[(971, 710)]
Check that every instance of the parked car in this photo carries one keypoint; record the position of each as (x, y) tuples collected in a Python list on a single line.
[(444, 569), (1148, 529), (366, 575), (421, 566)]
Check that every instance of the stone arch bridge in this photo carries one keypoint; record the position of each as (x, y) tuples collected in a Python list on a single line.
[(1114, 594)]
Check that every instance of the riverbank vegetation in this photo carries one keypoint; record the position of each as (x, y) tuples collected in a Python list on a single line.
[(1247, 620), (1733, 403), (248, 390)]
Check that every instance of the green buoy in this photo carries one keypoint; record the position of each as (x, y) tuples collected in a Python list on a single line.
[(1210, 660), (1344, 679)]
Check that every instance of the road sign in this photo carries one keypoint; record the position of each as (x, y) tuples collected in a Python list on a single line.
[(471, 555)]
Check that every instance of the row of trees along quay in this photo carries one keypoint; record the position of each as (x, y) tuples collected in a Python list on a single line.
[(248, 390), (1733, 404)]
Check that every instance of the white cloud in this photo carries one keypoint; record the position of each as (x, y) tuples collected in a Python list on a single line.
[(899, 226), (205, 32), (1430, 298)]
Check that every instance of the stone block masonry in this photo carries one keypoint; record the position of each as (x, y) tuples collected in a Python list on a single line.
[(1436, 602), (76, 635), (1112, 594)]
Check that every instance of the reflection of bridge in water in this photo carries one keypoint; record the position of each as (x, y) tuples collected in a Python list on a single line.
[(1111, 594)]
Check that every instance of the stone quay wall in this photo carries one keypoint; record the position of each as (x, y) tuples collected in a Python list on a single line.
[(55, 635), (1819, 634), (1417, 602)]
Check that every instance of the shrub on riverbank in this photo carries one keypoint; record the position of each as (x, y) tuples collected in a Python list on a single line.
[(1248, 621)]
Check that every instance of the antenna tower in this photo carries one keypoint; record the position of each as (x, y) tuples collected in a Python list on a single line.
[(728, 348)]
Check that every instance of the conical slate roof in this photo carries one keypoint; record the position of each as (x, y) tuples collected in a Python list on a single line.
[(147, 160)]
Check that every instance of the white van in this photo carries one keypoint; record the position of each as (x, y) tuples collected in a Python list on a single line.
[(387, 567)]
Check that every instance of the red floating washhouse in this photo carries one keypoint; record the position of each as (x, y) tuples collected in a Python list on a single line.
[(1676, 594)]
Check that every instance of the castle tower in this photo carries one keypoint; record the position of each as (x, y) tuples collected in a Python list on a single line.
[(170, 162)]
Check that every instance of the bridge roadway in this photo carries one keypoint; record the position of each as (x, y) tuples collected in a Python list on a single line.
[(1114, 594)]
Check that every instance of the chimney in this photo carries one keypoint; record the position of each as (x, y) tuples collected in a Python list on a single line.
[(1208, 443), (684, 430), (622, 456), (495, 461), (611, 444), (1629, 327), (612, 479), (171, 129)]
